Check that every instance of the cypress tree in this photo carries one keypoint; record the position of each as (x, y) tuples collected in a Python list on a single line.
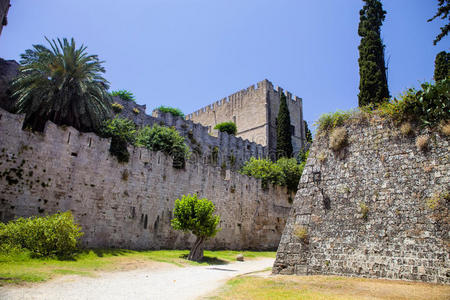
[(284, 142), (308, 134), (373, 87), (442, 66), (443, 11)]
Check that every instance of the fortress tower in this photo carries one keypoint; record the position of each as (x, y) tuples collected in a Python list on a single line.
[(254, 111)]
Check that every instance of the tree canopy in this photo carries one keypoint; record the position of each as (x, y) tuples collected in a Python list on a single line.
[(442, 66), (62, 84), (196, 215), (228, 127), (373, 87)]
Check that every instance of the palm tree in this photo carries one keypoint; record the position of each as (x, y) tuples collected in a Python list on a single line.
[(62, 84)]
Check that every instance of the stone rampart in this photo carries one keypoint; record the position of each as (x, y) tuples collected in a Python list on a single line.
[(229, 151), (128, 205), (378, 208)]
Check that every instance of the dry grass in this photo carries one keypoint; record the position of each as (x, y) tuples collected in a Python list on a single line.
[(301, 232), (444, 127), (322, 156), (422, 142), (328, 287), (406, 129), (338, 139)]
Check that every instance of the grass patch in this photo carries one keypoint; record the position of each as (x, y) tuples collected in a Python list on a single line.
[(20, 267), (327, 287)]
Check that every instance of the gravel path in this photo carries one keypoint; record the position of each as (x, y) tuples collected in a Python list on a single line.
[(172, 283)]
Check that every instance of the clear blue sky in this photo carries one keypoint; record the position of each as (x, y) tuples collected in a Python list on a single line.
[(189, 53)]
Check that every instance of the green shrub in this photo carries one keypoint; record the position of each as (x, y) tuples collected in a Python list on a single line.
[(54, 235), (124, 95), (228, 127), (329, 121), (428, 106), (301, 232), (122, 132), (171, 110), (285, 172), (165, 139)]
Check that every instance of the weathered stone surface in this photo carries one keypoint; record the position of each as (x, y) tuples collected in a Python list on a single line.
[(382, 172), (128, 205)]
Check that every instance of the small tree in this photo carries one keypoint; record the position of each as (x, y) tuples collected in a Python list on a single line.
[(442, 66), (284, 142), (308, 134), (228, 127), (196, 215)]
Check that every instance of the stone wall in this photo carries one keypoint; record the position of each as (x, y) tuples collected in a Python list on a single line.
[(230, 151), (375, 209), (128, 205), (254, 110)]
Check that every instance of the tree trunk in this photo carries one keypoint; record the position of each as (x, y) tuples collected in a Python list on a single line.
[(196, 253)]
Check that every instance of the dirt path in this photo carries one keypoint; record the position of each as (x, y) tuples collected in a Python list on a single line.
[(172, 283)]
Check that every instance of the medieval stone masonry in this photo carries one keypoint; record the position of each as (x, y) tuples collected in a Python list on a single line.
[(254, 111), (378, 208), (128, 205)]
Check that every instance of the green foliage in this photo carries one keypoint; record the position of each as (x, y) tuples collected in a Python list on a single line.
[(284, 141), (373, 86), (291, 171), (442, 66), (195, 215), (443, 11), (122, 132), (174, 111), (428, 106), (124, 95), (364, 210), (228, 127), (302, 156), (55, 235), (329, 121), (165, 139), (308, 133), (62, 84), (284, 172)]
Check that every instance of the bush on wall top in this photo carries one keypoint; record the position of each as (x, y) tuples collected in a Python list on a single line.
[(228, 127), (176, 112), (124, 95)]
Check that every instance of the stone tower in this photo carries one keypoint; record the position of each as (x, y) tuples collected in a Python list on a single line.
[(254, 111)]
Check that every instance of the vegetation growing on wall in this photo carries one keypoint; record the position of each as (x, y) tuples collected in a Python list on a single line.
[(62, 84), (176, 112), (196, 215), (117, 107), (228, 127), (54, 235), (284, 172), (122, 132), (124, 95), (165, 139)]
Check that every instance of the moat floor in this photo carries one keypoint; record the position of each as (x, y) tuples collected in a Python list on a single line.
[(159, 283)]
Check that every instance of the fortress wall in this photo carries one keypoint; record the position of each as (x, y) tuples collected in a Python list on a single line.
[(406, 233), (129, 205), (247, 108), (232, 150)]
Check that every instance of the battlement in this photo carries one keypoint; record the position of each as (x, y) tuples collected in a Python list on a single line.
[(236, 99)]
